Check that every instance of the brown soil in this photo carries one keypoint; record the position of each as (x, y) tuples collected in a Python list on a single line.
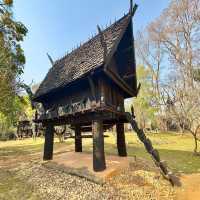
[(190, 189)]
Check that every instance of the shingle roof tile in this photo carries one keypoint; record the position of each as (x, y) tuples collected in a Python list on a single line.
[(82, 60)]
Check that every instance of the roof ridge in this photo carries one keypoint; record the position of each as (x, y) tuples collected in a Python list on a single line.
[(91, 39)]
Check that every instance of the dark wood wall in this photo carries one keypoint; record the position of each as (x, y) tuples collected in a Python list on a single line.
[(77, 98), (111, 95), (125, 63), (86, 97)]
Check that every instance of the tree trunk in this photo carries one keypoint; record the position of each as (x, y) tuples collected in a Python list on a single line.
[(60, 137), (121, 144), (194, 134), (98, 146), (78, 139), (48, 144), (195, 144)]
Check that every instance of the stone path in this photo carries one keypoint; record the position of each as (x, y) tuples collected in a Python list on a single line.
[(133, 183)]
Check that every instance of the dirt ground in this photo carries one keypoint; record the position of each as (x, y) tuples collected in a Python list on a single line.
[(141, 182), (190, 189)]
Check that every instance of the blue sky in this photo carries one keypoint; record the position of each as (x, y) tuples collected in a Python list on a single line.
[(58, 26)]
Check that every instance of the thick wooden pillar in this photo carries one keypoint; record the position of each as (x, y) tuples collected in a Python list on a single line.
[(78, 139), (99, 163), (121, 143), (48, 144)]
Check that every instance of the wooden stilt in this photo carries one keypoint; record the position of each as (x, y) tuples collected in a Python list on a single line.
[(78, 139), (98, 146), (121, 144), (48, 144)]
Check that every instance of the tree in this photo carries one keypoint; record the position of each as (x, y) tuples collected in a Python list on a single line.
[(22, 110), (143, 105), (184, 108), (150, 53), (177, 35), (178, 30), (12, 61), (12, 58)]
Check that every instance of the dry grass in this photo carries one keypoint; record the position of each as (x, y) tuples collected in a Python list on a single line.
[(177, 150)]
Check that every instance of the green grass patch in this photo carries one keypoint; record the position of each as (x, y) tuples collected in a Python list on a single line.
[(26, 147), (176, 149)]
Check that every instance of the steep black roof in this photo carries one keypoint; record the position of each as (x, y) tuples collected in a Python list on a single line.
[(82, 60)]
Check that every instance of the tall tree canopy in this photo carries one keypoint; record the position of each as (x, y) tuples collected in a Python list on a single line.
[(12, 57), (173, 39), (143, 104)]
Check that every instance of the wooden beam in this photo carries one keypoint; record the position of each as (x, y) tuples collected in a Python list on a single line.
[(120, 82), (121, 143), (92, 88), (131, 6), (99, 163), (48, 144), (88, 128), (101, 88), (130, 76), (78, 139), (104, 113)]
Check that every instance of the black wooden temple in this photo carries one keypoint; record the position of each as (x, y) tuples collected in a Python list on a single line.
[(87, 88)]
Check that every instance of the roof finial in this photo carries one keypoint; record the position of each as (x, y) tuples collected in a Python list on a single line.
[(103, 42), (131, 6), (132, 9), (50, 59)]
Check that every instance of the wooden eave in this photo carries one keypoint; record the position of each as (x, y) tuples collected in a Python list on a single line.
[(114, 76), (51, 92), (120, 82)]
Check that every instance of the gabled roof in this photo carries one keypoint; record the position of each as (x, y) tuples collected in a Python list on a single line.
[(88, 57)]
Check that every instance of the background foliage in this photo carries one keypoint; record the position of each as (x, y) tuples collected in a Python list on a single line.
[(12, 62)]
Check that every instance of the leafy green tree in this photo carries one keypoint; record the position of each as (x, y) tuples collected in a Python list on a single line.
[(12, 58), (143, 105), (22, 110), (12, 62)]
